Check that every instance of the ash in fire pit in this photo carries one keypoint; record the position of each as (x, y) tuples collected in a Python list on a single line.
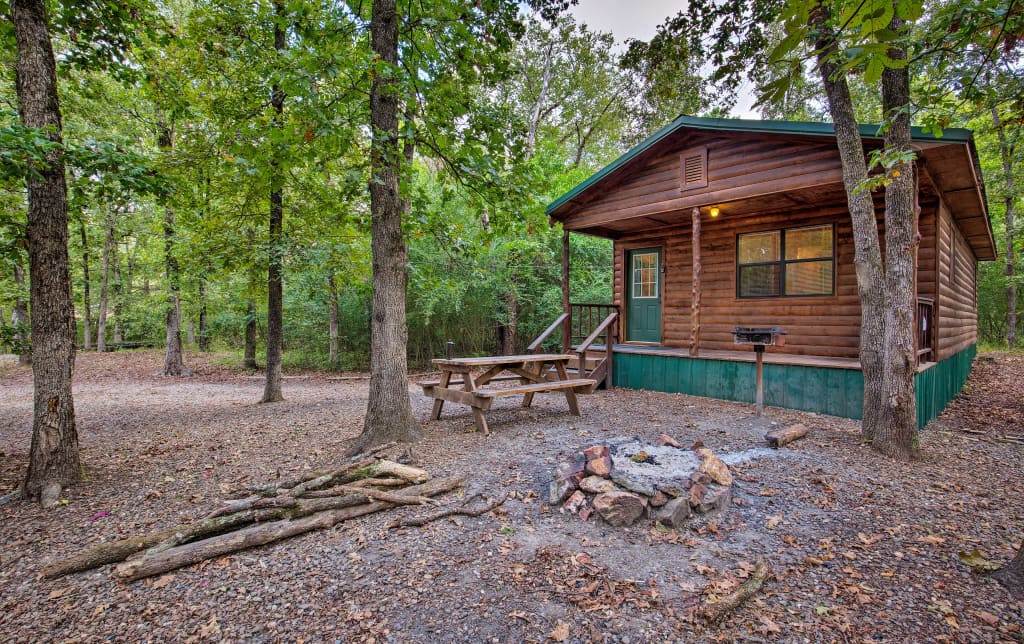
[(625, 478)]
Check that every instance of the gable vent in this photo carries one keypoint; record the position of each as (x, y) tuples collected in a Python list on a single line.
[(694, 164)]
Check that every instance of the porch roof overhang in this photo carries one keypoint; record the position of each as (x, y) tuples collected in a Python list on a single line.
[(950, 162)]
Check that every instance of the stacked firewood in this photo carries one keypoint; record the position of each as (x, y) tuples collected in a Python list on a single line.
[(270, 512)]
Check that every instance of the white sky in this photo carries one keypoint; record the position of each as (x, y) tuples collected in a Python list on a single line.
[(639, 19)]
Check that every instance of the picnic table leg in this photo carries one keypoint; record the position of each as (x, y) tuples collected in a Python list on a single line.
[(480, 419), (478, 414), (570, 394), (528, 398), (446, 377)]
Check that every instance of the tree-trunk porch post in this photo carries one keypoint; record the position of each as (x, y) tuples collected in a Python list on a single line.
[(567, 325), (695, 298)]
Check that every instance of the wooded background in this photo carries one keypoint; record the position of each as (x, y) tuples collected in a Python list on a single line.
[(176, 144)]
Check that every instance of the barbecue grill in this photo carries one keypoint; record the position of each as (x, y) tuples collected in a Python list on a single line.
[(759, 338), (767, 336)]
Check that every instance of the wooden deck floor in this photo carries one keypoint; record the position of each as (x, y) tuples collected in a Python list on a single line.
[(748, 356)]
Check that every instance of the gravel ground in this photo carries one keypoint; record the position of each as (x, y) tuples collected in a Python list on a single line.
[(861, 548)]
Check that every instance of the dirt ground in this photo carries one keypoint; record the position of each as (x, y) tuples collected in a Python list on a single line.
[(861, 548)]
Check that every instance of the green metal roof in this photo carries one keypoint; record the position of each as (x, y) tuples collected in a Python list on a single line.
[(804, 128)]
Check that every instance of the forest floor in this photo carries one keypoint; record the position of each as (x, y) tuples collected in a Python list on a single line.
[(861, 548)]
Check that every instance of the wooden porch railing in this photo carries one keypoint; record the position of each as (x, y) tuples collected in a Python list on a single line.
[(607, 329), (584, 318), (925, 323), (537, 345), (587, 325)]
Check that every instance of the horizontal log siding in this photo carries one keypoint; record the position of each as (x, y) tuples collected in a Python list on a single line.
[(927, 261), (737, 169), (957, 315), (818, 325), (824, 326)]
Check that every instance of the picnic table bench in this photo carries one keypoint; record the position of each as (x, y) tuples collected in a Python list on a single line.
[(533, 371)]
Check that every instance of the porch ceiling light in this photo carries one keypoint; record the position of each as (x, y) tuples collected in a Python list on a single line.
[(714, 212)]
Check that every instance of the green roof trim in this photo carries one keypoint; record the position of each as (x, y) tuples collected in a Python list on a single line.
[(805, 128)]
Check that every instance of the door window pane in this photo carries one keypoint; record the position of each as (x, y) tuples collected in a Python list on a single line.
[(809, 243), (645, 275), (809, 278), (755, 248)]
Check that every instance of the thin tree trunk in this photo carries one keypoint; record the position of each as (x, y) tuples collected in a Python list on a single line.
[(117, 292), (895, 434), (389, 411), (53, 455), (334, 330), (867, 257), (275, 312), (190, 333), (87, 300), (21, 320), (1006, 152), (101, 322), (506, 330), (531, 136), (174, 364), (1012, 574), (204, 338), (249, 360)]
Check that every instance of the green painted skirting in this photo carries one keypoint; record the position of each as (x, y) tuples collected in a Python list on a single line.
[(937, 386), (837, 392)]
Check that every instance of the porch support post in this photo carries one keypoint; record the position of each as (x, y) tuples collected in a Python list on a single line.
[(567, 325), (917, 247), (695, 298)]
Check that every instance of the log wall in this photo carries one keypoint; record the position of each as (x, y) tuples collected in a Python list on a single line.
[(815, 325), (737, 168), (957, 309)]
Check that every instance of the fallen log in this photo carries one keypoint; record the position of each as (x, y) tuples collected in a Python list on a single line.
[(276, 487), (450, 512), (713, 612), (115, 551), (779, 437), (263, 533)]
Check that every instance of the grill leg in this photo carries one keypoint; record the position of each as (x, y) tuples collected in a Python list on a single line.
[(759, 408)]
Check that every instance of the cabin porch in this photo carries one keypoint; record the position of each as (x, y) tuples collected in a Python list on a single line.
[(823, 384)]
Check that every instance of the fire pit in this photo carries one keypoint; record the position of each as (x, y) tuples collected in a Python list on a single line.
[(625, 478)]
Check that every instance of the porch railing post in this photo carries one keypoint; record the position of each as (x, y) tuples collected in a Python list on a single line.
[(567, 327)]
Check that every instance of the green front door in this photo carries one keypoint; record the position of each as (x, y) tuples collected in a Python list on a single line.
[(643, 295)]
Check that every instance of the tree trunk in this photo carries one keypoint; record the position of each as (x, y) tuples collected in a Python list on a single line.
[(1006, 152), (53, 456), (249, 360), (334, 330), (86, 299), (275, 312), (894, 436), (21, 320), (1012, 575), (507, 330), (389, 410), (174, 364), (867, 257), (117, 292), (101, 322), (204, 337), (531, 136)]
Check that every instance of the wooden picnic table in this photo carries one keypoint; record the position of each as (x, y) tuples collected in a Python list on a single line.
[(533, 371)]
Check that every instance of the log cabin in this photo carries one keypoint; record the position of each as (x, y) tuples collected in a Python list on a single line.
[(722, 223)]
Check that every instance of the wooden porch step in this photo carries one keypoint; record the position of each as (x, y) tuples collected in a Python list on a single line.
[(578, 383)]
